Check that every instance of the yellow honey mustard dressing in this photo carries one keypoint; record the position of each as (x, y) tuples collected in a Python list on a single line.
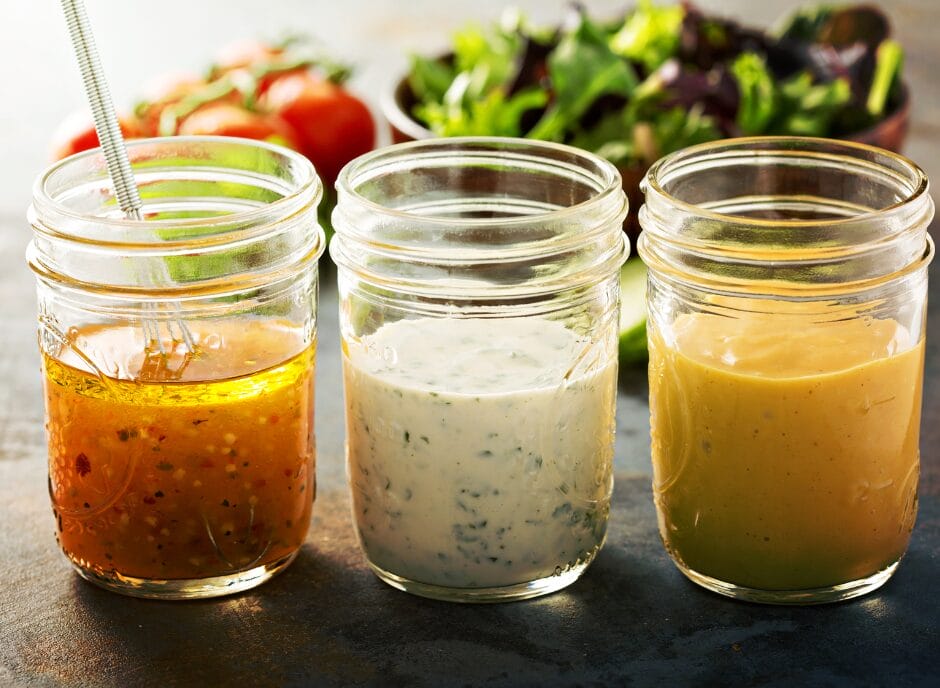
[(785, 455)]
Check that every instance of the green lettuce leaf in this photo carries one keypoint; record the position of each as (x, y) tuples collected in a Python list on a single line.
[(650, 34), (807, 109), (492, 115), (429, 78), (582, 69), (757, 91)]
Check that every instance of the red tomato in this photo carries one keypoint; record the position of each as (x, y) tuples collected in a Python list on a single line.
[(226, 119), (332, 126), (77, 133)]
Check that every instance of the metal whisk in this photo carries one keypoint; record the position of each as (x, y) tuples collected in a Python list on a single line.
[(115, 155)]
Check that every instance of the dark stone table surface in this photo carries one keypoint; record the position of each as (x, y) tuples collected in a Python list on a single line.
[(633, 619)]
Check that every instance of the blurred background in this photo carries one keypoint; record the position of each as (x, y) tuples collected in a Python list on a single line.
[(139, 40)]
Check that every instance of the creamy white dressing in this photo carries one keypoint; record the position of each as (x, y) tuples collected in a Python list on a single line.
[(477, 453)]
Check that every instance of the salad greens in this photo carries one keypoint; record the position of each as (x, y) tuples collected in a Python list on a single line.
[(795, 106), (650, 35), (582, 69), (657, 79), (660, 78)]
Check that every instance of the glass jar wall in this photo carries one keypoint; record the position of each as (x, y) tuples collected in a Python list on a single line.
[(178, 361), (787, 294), (479, 291)]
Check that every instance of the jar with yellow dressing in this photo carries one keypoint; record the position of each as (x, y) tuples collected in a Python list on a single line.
[(787, 301)]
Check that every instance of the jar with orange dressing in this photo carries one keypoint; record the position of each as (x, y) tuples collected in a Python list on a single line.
[(787, 301), (178, 361)]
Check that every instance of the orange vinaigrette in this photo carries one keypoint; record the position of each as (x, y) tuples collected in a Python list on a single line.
[(208, 473)]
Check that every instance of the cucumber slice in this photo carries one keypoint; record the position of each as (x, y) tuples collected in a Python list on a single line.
[(633, 312)]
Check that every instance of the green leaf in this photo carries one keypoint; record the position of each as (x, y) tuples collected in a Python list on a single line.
[(888, 63), (795, 107), (650, 34), (611, 137), (679, 128), (804, 24), (582, 69), (757, 93), (808, 109), (488, 59), (632, 341), (644, 130), (493, 115), (429, 79)]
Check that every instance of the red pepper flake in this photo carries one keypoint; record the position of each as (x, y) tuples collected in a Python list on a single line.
[(149, 500), (161, 438), (273, 419), (207, 464), (288, 472), (158, 493), (164, 466), (82, 464), (260, 482), (200, 421)]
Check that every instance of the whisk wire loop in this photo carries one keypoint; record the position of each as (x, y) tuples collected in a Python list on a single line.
[(118, 163)]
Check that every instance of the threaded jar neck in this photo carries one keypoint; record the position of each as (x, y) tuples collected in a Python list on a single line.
[(479, 218), (785, 216), (221, 214)]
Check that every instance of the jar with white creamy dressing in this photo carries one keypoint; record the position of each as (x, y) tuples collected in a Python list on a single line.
[(479, 299)]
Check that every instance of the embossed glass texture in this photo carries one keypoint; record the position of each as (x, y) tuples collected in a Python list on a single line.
[(479, 296), (787, 300), (177, 361)]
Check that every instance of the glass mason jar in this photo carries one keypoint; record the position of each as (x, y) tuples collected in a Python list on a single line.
[(178, 361), (479, 302), (787, 294)]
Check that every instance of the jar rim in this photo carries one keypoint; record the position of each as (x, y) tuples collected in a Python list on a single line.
[(308, 185), (866, 212), (222, 214), (479, 217), (917, 181), (357, 169)]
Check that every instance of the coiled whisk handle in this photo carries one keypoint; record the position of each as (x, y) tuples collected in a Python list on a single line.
[(102, 109)]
